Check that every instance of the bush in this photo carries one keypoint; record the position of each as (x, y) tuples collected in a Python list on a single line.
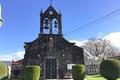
[(3, 71), (32, 73), (110, 69), (4, 78), (78, 72)]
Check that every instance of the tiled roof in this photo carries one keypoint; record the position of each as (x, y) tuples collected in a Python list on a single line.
[(17, 62)]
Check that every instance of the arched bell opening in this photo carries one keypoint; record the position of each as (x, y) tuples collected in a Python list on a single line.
[(50, 22), (55, 26), (46, 26)]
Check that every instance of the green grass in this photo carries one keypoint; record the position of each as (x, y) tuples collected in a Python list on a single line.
[(95, 77)]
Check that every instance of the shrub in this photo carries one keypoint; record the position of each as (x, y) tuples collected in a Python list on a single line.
[(3, 71), (78, 72), (32, 73), (4, 78), (110, 69)]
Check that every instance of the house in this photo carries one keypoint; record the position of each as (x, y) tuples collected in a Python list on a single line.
[(16, 69)]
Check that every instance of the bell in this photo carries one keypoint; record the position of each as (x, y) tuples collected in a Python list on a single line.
[(46, 24), (46, 21), (55, 24), (46, 27)]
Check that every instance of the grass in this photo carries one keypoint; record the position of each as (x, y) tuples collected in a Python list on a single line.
[(96, 77)]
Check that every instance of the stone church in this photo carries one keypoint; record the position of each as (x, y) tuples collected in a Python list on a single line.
[(51, 51)]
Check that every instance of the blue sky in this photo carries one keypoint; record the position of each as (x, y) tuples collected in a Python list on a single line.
[(22, 20)]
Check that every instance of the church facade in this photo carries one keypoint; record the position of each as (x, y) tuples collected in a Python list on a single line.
[(51, 51)]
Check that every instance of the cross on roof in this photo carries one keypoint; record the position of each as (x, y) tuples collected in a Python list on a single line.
[(51, 2)]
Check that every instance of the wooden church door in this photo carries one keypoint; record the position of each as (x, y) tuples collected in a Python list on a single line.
[(51, 68)]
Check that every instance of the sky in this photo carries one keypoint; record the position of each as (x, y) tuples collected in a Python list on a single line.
[(22, 22)]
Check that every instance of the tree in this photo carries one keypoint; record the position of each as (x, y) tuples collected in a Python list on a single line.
[(99, 47)]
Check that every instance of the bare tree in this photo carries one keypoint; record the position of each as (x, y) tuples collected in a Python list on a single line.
[(99, 47)]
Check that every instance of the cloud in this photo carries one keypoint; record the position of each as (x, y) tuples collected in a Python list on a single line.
[(12, 56), (78, 43), (114, 38)]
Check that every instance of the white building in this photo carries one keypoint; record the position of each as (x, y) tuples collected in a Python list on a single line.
[(1, 20)]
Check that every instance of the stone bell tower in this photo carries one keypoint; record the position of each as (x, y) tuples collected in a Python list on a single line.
[(50, 22)]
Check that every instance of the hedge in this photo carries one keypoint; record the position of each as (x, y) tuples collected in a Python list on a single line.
[(78, 72), (32, 73), (4, 72), (110, 69)]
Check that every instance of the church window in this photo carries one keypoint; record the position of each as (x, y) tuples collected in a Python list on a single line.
[(51, 12)]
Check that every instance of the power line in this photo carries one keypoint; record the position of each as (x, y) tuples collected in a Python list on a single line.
[(97, 20)]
